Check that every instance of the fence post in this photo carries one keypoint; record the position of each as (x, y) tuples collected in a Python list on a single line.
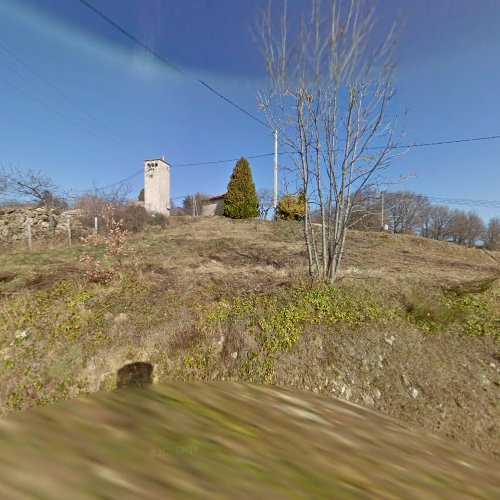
[(30, 234), (69, 230), (96, 225), (51, 223)]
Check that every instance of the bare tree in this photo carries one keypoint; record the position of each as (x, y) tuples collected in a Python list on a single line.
[(96, 201), (30, 186), (366, 212), (493, 232), (467, 227), (440, 219), (192, 203), (329, 98), (266, 202), (407, 212), (475, 228)]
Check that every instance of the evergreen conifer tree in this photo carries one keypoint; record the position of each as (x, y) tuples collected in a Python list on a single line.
[(241, 201)]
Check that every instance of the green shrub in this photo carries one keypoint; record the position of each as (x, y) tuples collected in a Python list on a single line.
[(468, 307), (279, 320), (292, 207), (476, 316)]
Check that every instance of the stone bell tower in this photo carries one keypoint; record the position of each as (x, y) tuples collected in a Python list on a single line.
[(157, 186)]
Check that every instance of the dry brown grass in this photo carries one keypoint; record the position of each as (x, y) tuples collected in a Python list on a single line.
[(161, 314), (255, 254)]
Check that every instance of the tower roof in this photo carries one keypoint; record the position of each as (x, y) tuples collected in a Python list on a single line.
[(157, 159)]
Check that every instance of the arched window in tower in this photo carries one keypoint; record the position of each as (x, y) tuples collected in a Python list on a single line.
[(150, 170), (157, 186)]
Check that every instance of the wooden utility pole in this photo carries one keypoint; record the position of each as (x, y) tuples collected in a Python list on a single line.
[(275, 202), (195, 208), (382, 227)]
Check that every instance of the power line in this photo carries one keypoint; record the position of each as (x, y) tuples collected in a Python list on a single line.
[(156, 54), (466, 202), (123, 181), (454, 141), (438, 143), (179, 165), (456, 201), (219, 161), (68, 99), (238, 107), (124, 32), (233, 103), (58, 113), (447, 201)]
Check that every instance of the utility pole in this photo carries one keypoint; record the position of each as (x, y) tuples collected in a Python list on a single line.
[(382, 212), (275, 175)]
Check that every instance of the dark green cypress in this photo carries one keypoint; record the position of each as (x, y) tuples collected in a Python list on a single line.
[(241, 198)]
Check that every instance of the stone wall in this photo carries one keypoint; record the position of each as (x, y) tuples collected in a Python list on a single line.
[(44, 224)]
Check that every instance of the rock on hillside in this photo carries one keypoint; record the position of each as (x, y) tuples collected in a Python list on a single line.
[(228, 440)]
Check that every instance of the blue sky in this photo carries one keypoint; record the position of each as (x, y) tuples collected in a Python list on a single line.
[(130, 107)]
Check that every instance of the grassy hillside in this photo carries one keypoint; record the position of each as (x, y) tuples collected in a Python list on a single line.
[(412, 329)]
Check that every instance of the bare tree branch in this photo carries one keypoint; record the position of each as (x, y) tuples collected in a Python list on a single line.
[(330, 97), (30, 186)]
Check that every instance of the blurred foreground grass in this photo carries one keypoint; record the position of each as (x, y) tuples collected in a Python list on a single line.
[(228, 440)]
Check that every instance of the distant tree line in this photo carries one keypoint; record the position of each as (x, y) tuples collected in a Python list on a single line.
[(407, 212), (404, 212)]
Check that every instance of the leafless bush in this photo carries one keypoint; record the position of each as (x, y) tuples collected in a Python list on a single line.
[(135, 218), (95, 202), (115, 242)]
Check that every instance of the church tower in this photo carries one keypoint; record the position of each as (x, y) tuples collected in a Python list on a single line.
[(157, 186)]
